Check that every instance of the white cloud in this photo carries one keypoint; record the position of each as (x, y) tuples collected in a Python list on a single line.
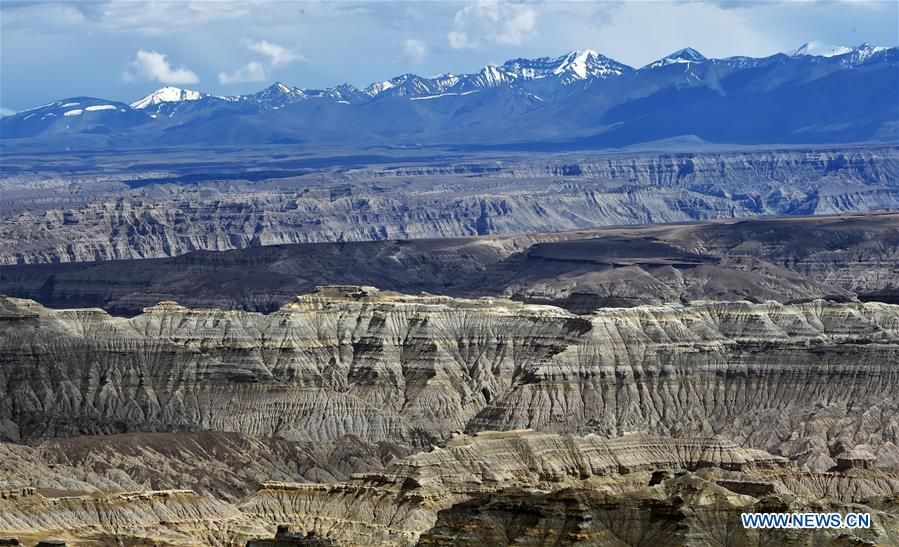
[(278, 55), (490, 22), (250, 72), (6, 111), (148, 17), (153, 66), (416, 50), (159, 17)]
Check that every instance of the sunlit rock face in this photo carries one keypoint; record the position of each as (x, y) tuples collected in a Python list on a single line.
[(804, 380), (471, 489)]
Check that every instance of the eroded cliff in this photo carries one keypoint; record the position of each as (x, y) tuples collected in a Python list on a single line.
[(121, 212), (845, 257), (803, 380)]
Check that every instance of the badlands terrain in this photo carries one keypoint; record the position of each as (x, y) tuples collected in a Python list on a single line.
[(367, 416), (90, 207), (448, 349), (548, 301), (789, 259)]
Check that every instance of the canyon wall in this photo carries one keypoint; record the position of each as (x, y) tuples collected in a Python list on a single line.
[(108, 216)]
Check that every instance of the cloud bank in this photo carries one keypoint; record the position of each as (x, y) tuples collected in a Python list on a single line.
[(278, 55), (488, 22), (416, 50), (256, 71), (152, 66), (250, 72)]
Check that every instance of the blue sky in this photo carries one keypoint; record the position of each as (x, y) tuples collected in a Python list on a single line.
[(124, 50)]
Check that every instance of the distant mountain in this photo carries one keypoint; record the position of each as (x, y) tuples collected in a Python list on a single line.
[(820, 50), (575, 66), (75, 115), (683, 56), (815, 94), (172, 101)]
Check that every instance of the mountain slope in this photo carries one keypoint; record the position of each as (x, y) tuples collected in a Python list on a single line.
[(578, 100)]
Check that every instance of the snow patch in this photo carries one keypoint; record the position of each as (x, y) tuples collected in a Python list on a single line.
[(442, 95), (76, 112), (380, 87), (576, 62), (96, 107)]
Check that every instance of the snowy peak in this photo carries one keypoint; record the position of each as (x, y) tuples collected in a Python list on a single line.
[(578, 62), (569, 68), (167, 94), (344, 93), (410, 85), (573, 66), (378, 87), (587, 63), (278, 89), (818, 49), (864, 51), (489, 76), (75, 115), (682, 56), (687, 54), (278, 94), (846, 56)]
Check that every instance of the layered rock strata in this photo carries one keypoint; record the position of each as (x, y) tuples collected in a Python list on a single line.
[(805, 381), (845, 258), (511, 487), (471, 488), (119, 212)]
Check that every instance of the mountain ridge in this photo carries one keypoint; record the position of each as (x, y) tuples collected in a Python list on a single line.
[(582, 96)]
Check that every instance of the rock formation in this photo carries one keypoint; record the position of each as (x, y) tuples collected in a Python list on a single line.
[(225, 465), (364, 416), (845, 257), (169, 517), (798, 380), (131, 210), (684, 510), (530, 488), (471, 487)]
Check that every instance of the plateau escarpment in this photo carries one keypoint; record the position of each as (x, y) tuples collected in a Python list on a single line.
[(805, 381), (168, 209), (795, 259)]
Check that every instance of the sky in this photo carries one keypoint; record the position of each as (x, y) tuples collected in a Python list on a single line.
[(123, 50)]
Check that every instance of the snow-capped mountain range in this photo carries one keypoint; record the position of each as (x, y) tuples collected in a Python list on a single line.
[(577, 96), (567, 69)]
